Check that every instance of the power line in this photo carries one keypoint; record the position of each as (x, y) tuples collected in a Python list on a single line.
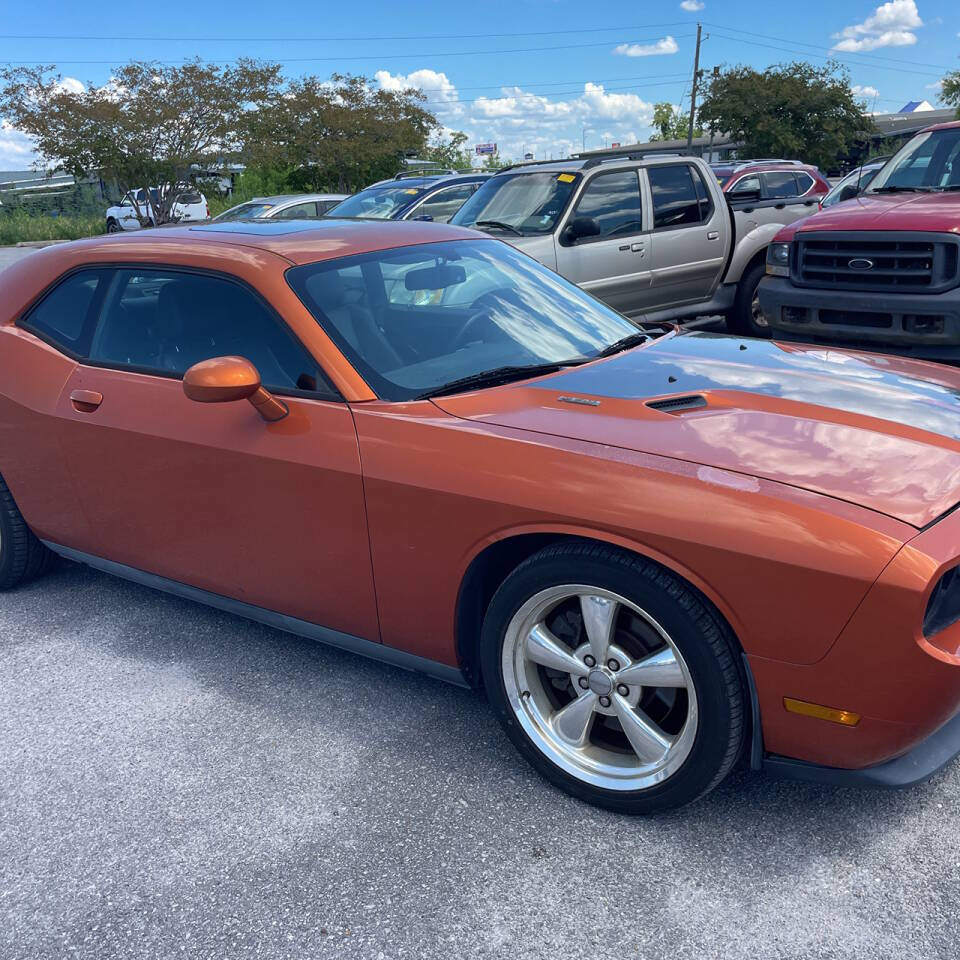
[(817, 46), (365, 39), (807, 53), (378, 57)]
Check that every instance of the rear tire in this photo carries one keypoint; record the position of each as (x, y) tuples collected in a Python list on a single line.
[(747, 316), (656, 720), (114, 227), (22, 556)]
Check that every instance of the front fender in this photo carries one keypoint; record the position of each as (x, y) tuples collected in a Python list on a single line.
[(748, 247)]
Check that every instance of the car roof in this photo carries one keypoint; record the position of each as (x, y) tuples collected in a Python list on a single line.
[(949, 125), (302, 197), (298, 241), (427, 181), (767, 167)]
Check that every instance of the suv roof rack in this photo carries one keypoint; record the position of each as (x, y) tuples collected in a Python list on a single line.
[(427, 172)]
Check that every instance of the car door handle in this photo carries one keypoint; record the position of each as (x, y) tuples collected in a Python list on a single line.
[(86, 401), (713, 235), (636, 247)]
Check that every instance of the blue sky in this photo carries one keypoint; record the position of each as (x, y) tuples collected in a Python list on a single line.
[(545, 76)]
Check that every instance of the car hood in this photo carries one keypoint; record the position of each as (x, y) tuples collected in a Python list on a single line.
[(880, 432), (929, 212)]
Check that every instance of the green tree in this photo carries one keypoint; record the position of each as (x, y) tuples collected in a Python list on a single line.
[(151, 126), (671, 124), (793, 110), (450, 152), (950, 91), (339, 133)]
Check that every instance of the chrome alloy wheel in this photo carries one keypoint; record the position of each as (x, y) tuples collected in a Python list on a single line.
[(599, 687), (756, 311)]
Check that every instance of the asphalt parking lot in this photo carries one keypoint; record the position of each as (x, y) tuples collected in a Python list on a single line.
[(179, 782)]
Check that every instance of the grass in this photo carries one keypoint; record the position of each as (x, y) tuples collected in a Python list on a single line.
[(19, 226)]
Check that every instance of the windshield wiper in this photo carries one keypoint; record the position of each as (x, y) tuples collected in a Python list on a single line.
[(950, 188), (624, 343), (498, 375), (499, 225), (893, 189)]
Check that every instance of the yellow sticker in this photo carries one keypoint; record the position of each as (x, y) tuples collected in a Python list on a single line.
[(566, 177), (410, 190)]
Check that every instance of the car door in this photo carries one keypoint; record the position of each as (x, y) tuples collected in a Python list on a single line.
[(211, 495), (128, 212), (615, 263), (783, 202), (689, 254)]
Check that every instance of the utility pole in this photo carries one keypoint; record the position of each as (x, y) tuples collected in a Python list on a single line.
[(693, 88), (584, 138)]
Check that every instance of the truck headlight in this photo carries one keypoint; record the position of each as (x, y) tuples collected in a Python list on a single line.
[(778, 260), (943, 610)]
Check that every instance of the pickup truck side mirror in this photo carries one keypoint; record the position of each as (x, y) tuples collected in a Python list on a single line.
[(579, 228), (848, 192)]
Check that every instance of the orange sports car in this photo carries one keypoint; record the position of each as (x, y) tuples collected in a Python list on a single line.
[(659, 555)]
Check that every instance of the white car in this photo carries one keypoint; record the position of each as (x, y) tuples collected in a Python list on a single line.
[(293, 206), (190, 205)]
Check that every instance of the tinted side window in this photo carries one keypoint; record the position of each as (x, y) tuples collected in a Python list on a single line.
[(444, 203), (164, 321), (675, 199), (746, 185), (704, 199), (804, 183), (780, 185), (298, 211), (67, 314), (613, 200)]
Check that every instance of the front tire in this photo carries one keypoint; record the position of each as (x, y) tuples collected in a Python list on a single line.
[(22, 556), (113, 226), (748, 318), (613, 678)]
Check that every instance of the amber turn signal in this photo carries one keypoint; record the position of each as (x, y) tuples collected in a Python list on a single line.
[(847, 717)]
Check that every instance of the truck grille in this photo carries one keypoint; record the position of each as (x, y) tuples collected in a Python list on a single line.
[(876, 261)]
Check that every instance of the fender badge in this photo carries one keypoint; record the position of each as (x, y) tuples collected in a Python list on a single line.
[(583, 401)]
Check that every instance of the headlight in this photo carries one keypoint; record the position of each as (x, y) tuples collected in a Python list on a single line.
[(778, 260), (944, 606)]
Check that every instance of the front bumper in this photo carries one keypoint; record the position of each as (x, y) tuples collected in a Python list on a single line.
[(927, 758), (904, 685), (881, 322)]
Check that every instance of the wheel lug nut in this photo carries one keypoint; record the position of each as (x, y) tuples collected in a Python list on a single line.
[(613, 664), (623, 690), (589, 661), (604, 701), (584, 682)]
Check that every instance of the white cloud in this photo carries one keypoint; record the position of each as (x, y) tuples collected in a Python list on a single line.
[(691, 6), (17, 150), (70, 85), (936, 85), (666, 45), (890, 25), (864, 91)]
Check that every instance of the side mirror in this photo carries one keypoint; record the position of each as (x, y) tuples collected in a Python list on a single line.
[(426, 217), (848, 192), (744, 196), (580, 228), (225, 379)]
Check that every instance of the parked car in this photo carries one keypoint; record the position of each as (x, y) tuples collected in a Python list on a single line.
[(190, 205), (292, 206), (777, 180), (854, 183), (408, 196), (655, 237), (657, 556), (881, 271)]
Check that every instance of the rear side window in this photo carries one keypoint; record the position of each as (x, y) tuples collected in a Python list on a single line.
[(164, 321), (65, 317), (679, 197), (613, 200), (804, 183), (780, 186), (298, 211), (443, 204)]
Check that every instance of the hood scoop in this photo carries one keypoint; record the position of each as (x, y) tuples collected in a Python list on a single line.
[(679, 404)]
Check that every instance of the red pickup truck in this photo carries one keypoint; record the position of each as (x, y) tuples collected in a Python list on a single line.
[(881, 271)]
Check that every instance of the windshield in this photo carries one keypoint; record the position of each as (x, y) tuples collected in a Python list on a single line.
[(246, 211), (381, 203), (415, 318), (853, 183), (930, 161), (524, 203)]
